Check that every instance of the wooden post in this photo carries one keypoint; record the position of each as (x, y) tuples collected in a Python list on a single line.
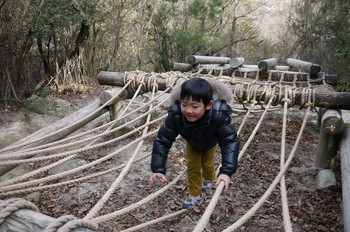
[(236, 62), (305, 66), (327, 148), (345, 173), (267, 64), (331, 124), (207, 60), (25, 220)]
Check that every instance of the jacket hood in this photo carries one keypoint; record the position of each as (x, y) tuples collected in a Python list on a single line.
[(220, 91)]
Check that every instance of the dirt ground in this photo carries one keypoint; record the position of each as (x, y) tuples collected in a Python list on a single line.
[(310, 209)]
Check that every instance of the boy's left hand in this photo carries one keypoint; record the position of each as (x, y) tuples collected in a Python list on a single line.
[(226, 179)]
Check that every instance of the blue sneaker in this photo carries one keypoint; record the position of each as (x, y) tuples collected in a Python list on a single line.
[(207, 185), (192, 201)]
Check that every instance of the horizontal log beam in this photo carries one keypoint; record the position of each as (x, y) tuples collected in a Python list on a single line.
[(336, 100)]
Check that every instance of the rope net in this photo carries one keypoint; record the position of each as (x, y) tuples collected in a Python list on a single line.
[(118, 167)]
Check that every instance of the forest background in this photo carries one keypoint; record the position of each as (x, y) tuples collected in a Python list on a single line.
[(46, 44)]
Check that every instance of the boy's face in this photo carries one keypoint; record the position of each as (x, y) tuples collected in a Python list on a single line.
[(193, 110)]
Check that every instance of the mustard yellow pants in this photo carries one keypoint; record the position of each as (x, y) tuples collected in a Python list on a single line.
[(199, 164)]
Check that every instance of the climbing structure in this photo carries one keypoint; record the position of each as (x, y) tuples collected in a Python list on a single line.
[(116, 154)]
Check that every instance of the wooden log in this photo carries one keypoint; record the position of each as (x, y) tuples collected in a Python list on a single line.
[(117, 79), (236, 62), (108, 94), (332, 121), (305, 66), (193, 59), (267, 64), (182, 67), (336, 100), (345, 173), (25, 220), (115, 111), (63, 123), (327, 149)]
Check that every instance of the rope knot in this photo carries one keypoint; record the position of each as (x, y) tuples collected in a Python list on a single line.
[(12, 205)]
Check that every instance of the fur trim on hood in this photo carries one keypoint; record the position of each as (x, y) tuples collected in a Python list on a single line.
[(220, 91)]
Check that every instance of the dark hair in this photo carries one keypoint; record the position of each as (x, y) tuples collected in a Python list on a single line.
[(198, 89)]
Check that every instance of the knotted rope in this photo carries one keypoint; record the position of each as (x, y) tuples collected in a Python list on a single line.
[(12, 205)]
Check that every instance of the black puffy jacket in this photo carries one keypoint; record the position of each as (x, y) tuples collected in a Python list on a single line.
[(213, 128)]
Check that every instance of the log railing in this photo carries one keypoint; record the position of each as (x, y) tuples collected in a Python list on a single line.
[(333, 100)]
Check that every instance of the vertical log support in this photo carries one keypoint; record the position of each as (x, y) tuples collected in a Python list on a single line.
[(116, 105), (331, 124), (345, 173), (115, 111)]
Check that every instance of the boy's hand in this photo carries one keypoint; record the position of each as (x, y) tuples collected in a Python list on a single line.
[(226, 179), (159, 176)]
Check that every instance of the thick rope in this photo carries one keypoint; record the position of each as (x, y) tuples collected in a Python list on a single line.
[(209, 210), (59, 222), (25, 190), (139, 203), (25, 154), (93, 212), (81, 121), (74, 224), (52, 144), (144, 225), (284, 199), (98, 161), (15, 180), (253, 210), (12, 206)]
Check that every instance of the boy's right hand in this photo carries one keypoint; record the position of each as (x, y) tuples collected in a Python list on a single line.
[(159, 176)]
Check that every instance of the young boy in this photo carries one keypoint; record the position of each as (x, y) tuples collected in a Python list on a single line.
[(201, 116)]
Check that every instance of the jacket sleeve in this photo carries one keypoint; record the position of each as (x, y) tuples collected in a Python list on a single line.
[(162, 144), (228, 142)]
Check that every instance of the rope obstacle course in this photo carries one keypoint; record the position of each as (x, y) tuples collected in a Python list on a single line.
[(251, 96)]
